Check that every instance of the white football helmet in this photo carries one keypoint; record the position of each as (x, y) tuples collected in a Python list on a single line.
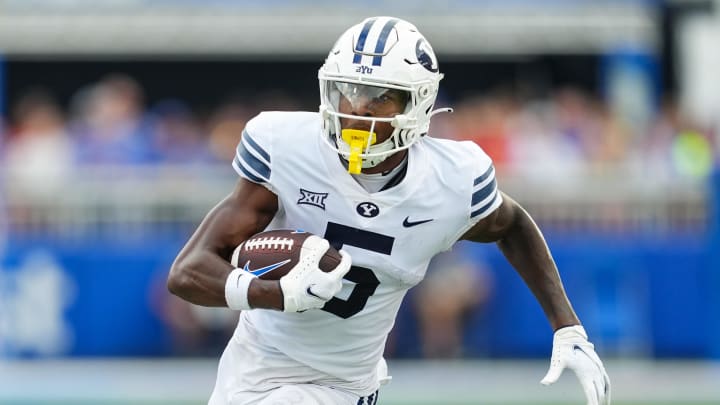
[(378, 54)]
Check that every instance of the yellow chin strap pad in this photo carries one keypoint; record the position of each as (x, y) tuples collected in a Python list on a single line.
[(358, 141)]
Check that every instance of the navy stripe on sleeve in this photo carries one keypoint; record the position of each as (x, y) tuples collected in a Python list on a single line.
[(247, 172), (250, 160), (484, 176), (254, 145), (484, 192), (484, 207)]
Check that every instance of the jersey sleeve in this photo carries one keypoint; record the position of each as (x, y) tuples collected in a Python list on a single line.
[(478, 191), (253, 156), (484, 195)]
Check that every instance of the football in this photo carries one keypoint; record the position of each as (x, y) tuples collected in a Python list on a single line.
[(272, 254)]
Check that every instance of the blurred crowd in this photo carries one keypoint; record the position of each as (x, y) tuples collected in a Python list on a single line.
[(571, 132), (109, 122)]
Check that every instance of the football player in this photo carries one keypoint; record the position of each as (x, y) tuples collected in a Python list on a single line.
[(363, 175)]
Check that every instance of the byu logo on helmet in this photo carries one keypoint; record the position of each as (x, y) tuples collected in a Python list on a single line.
[(367, 209), (364, 69), (425, 55)]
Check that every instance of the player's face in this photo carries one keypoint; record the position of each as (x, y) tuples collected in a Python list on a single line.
[(370, 101)]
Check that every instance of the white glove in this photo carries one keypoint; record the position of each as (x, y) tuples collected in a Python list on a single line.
[(306, 286), (571, 349)]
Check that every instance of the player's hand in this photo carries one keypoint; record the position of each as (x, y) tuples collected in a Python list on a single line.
[(306, 286), (571, 349)]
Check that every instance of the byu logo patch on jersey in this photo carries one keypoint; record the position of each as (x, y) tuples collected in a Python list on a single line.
[(367, 209), (312, 198)]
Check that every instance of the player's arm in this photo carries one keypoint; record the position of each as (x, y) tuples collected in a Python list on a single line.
[(201, 269), (524, 246), (202, 273)]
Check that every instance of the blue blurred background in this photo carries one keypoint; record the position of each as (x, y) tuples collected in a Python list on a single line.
[(119, 120)]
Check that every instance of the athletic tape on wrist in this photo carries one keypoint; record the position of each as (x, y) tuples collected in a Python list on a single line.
[(236, 289)]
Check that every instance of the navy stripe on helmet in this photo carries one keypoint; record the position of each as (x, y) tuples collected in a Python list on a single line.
[(360, 46), (254, 145), (483, 177), (382, 39), (483, 193), (485, 207), (238, 165), (250, 160)]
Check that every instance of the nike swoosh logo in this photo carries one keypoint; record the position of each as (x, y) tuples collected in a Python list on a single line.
[(407, 223), (309, 292), (577, 348), (259, 272)]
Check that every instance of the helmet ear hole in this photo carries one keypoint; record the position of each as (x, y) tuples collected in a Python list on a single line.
[(424, 91)]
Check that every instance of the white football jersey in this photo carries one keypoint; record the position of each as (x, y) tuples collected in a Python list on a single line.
[(391, 234)]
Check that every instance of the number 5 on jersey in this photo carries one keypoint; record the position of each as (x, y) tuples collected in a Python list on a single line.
[(365, 280)]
